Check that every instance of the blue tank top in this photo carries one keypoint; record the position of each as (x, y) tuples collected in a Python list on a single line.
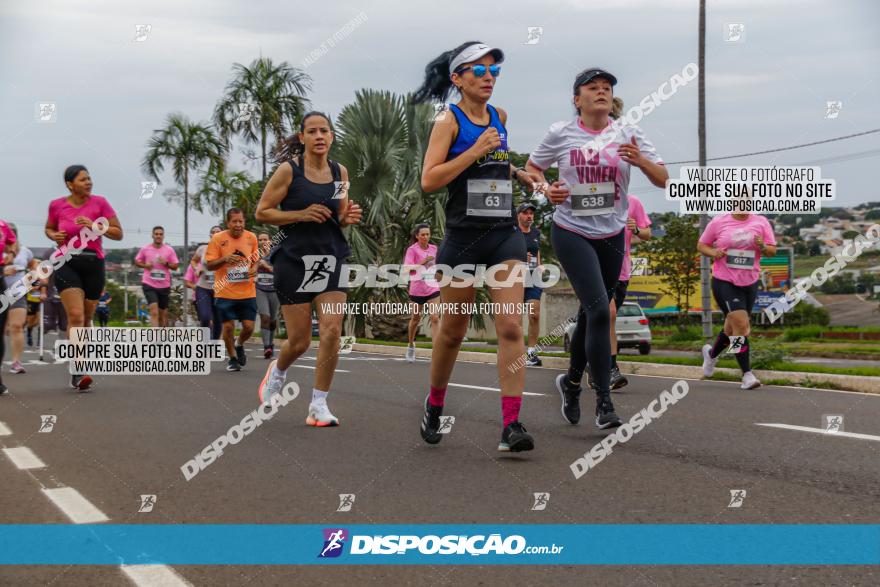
[(493, 166)]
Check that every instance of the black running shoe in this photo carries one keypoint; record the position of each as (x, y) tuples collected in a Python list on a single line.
[(605, 416), (233, 365), (514, 438), (431, 423), (3, 389), (617, 379), (571, 399), (240, 356)]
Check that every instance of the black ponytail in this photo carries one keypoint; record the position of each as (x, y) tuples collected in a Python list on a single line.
[(437, 82), (292, 146)]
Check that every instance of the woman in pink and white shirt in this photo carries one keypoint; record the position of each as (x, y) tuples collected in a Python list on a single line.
[(736, 242), (72, 220), (422, 286)]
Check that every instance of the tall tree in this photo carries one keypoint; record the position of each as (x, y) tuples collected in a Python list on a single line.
[(189, 148), (675, 257), (221, 190), (262, 100)]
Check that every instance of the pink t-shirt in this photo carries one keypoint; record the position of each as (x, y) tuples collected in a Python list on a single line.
[(7, 237), (636, 212), (63, 215), (190, 276), (416, 255), (157, 275), (742, 264)]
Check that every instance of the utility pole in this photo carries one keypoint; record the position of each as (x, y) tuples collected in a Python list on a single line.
[(706, 301)]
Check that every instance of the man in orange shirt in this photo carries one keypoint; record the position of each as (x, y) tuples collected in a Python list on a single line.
[(233, 256)]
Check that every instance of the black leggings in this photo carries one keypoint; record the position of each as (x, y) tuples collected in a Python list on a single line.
[(592, 266), (3, 316)]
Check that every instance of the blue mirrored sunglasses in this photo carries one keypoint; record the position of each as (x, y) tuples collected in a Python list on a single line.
[(480, 70)]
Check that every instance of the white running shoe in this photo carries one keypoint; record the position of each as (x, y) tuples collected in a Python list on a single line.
[(708, 362), (270, 385), (320, 416), (750, 381), (411, 354)]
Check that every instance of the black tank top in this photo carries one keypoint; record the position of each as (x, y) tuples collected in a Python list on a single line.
[(312, 238), (460, 212)]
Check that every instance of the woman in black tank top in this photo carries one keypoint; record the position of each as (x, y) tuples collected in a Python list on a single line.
[(307, 197), (467, 154)]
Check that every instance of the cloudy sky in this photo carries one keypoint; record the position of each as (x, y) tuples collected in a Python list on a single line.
[(769, 90)]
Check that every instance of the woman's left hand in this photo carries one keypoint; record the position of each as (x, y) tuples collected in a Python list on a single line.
[(353, 215), (630, 153)]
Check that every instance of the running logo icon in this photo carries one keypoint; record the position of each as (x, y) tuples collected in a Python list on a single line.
[(141, 32), (148, 502), (46, 112), (737, 497), (832, 423), (440, 111), (346, 501), (334, 541), (541, 501), (535, 33), (318, 271), (832, 109), (341, 190), (147, 189), (734, 32), (47, 423), (737, 344), (346, 344), (446, 423), (245, 111)]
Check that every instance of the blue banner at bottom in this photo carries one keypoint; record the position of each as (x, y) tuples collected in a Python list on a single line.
[(267, 544)]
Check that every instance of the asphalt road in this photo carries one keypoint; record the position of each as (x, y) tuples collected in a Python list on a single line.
[(131, 435)]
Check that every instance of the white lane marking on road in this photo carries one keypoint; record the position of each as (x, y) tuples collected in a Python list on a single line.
[(153, 576), (76, 507), (313, 368), (487, 388), (24, 458), (4, 430), (821, 431)]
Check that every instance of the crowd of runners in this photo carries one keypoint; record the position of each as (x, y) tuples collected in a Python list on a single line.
[(238, 275)]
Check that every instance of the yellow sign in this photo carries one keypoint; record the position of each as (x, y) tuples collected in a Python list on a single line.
[(646, 289)]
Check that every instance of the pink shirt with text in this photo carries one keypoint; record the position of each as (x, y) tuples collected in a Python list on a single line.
[(737, 238)]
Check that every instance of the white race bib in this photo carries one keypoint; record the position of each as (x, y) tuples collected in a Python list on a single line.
[(490, 198), (157, 274), (740, 259), (236, 274), (265, 279), (592, 199)]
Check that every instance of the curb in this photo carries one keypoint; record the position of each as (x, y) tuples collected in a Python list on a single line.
[(846, 382)]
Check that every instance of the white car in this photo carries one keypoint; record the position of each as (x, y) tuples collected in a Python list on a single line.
[(633, 329)]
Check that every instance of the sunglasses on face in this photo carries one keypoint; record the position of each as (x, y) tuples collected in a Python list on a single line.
[(480, 70)]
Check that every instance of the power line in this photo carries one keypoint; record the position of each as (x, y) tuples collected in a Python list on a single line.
[(859, 134)]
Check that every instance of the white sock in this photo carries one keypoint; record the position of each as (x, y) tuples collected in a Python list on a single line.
[(531, 350), (278, 373), (319, 396)]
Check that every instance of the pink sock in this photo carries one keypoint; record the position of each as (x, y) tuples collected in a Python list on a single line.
[(510, 408), (437, 396)]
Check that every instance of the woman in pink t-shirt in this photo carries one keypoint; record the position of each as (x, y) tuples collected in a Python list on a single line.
[(75, 222), (736, 243), (7, 239), (422, 285)]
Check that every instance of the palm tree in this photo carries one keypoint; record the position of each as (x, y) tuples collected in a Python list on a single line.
[(188, 147), (262, 99), (221, 190)]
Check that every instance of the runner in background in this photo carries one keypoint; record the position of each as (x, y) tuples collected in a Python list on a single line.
[(205, 307), (232, 255), (189, 283), (102, 313), (54, 316), (157, 260), (525, 216), (7, 239), (267, 299), (33, 312), (307, 197), (736, 243), (468, 154), (22, 262), (590, 221), (423, 288), (80, 280)]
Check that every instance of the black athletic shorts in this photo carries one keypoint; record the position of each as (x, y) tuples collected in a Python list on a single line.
[(157, 295), (730, 297), (477, 246), (620, 293), (422, 300), (33, 308), (84, 271), (297, 284)]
